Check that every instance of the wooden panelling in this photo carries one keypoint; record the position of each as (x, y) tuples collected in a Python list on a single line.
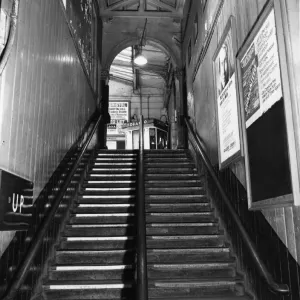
[(285, 222), (45, 99)]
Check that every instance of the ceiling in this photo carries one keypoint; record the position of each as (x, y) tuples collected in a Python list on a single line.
[(141, 8)]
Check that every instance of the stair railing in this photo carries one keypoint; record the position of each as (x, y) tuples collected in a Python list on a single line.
[(259, 264), (142, 280), (23, 268)]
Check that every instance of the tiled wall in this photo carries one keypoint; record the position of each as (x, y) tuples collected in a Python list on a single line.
[(44, 97)]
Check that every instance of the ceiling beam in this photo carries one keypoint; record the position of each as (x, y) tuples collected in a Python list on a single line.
[(162, 5), (121, 3), (138, 14)]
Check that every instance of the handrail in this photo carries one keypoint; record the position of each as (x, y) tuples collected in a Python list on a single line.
[(24, 267), (267, 276), (142, 280)]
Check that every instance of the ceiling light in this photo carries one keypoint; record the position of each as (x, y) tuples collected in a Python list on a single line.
[(140, 60)]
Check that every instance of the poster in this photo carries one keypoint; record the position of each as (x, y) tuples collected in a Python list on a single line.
[(226, 97), (260, 70), (229, 135), (119, 114)]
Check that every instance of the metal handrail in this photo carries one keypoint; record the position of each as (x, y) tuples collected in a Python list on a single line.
[(259, 264), (142, 278), (24, 267)]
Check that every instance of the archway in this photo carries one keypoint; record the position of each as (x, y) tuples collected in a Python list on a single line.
[(135, 90)]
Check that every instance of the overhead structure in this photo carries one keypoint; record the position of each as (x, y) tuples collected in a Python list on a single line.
[(142, 8)]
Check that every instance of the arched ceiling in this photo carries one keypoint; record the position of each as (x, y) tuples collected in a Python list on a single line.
[(153, 74)]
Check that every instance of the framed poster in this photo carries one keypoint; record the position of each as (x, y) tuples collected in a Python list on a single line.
[(119, 114), (267, 122), (226, 95)]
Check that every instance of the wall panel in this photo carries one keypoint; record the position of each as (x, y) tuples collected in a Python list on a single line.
[(285, 222), (45, 98)]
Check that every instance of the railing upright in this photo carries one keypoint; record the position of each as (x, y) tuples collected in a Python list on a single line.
[(142, 280)]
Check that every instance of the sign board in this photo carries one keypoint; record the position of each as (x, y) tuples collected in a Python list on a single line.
[(16, 202), (227, 105), (267, 117), (260, 71), (119, 113)]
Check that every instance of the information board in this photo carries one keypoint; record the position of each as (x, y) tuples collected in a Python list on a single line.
[(119, 113)]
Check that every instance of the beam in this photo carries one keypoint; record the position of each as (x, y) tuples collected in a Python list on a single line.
[(142, 6), (121, 3), (137, 14), (162, 5)]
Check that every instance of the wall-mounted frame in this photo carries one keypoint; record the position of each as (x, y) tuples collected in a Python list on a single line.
[(267, 118), (226, 97), (196, 25)]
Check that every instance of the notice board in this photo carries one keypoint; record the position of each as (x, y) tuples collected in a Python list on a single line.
[(267, 154)]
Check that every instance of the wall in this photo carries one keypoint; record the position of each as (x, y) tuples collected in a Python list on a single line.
[(285, 221), (45, 99), (152, 99)]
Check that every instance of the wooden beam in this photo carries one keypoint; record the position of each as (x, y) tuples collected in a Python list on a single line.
[(162, 5), (142, 6), (121, 3), (138, 14)]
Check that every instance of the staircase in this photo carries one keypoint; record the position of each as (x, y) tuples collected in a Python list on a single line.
[(188, 257)]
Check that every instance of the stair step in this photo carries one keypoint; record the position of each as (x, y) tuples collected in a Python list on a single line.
[(195, 270), (99, 230), (171, 165), (178, 207), (106, 199), (176, 198), (157, 242), (180, 217), (110, 172), (105, 218), (174, 190), (182, 228), (183, 170), (97, 243), (190, 288), (109, 192), (151, 229), (174, 176), (105, 208), (183, 241), (109, 185), (92, 272), (222, 296), (172, 183), (107, 257), (89, 290), (191, 255)]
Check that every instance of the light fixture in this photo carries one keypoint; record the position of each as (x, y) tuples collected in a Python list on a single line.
[(139, 58)]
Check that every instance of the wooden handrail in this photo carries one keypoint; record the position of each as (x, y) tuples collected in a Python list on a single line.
[(24, 267), (259, 264), (142, 278)]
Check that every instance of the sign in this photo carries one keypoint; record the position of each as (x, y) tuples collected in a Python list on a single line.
[(260, 71), (229, 137), (119, 114), (228, 118), (16, 202)]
